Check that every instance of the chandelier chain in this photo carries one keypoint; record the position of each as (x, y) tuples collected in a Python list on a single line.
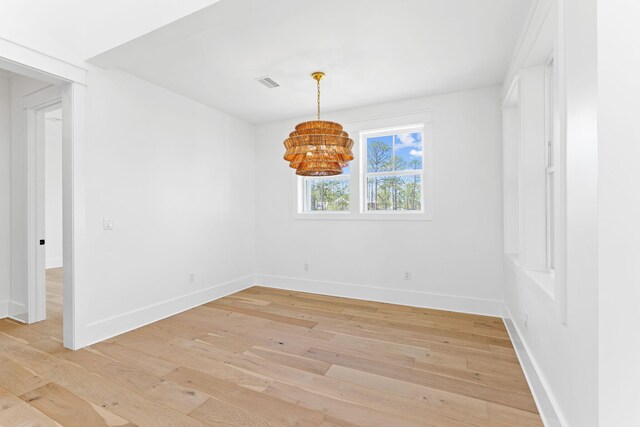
[(318, 99)]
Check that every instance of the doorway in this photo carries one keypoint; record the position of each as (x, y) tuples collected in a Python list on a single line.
[(27, 301)]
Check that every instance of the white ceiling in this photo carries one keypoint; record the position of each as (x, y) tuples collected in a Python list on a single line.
[(372, 51), (74, 30)]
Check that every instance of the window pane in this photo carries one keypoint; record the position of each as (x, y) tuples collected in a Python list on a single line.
[(331, 195), (394, 193), (380, 153), (408, 151)]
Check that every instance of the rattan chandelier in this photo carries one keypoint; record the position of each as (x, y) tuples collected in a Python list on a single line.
[(318, 147)]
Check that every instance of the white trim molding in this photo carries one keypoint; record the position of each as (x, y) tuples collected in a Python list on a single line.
[(540, 390), (106, 328), (38, 65), (486, 307), (538, 15)]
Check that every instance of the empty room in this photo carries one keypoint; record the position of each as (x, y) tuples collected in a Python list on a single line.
[(338, 213)]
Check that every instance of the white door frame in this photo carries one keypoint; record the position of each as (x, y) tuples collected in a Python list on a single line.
[(36, 106), (71, 81)]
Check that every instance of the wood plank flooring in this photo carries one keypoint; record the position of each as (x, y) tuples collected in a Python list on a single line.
[(267, 357)]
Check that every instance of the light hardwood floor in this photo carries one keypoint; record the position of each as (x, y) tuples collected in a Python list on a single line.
[(268, 357)]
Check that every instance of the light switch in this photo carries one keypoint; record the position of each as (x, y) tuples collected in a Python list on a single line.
[(107, 224)]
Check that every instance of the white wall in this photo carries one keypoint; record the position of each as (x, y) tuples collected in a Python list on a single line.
[(455, 259), (164, 169), (566, 355), (619, 211), (53, 191), (5, 193), (177, 180)]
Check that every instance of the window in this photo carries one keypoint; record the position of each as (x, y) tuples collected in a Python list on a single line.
[(389, 179), (393, 170), (327, 194), (550, 166)]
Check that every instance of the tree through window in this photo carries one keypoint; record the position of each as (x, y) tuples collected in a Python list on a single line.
[(331, 194)]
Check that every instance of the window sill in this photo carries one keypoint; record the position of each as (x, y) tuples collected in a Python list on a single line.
[(541, 281), (545, 281), (349, 216)]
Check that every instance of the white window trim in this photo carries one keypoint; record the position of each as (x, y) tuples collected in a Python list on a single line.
[(364, 135), (542, 128), (547, 287), (356, 212)]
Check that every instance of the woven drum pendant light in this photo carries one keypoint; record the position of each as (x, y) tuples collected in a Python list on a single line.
[(318, 147)]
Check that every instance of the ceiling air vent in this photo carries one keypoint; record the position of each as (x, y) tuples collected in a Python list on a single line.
[(268, 82)]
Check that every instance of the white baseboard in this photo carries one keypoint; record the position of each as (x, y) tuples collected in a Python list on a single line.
[(546, 403), (53, 263), (4, 309), (394, 296), (107, 328)]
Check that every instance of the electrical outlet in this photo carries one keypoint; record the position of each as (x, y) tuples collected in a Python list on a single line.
[(406, 275), (526, 320), (192, 277), (306, 267)]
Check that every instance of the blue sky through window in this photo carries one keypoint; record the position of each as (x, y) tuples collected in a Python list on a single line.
[(408, 151)]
